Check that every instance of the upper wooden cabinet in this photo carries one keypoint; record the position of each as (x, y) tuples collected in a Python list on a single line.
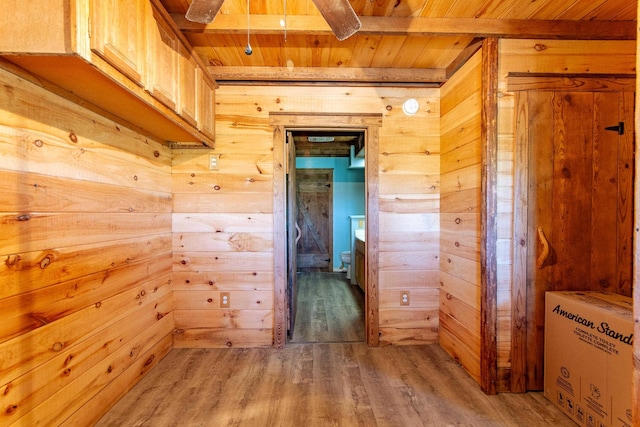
[(187, 72), (206, 104), (125, 57), (162, 61), (117, 33)]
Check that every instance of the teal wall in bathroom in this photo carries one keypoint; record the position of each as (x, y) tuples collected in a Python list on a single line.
[(348, 197)]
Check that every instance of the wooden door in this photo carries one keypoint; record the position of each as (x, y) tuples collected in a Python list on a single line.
[(315, 217), (293, 234), (579, 201)]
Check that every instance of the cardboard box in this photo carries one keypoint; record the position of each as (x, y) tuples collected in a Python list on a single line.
[(588, 356)]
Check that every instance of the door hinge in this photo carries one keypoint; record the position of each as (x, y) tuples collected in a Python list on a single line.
[(619, 128)]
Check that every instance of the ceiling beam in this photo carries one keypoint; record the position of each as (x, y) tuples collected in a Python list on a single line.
[(411, 26), (464, 56), (328, 74)]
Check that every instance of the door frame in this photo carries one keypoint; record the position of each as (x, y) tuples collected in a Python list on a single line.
[(523, 83), (281, 123)]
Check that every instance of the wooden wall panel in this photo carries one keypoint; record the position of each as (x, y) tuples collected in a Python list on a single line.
[(62, 299), (49, 266), (537, 57), (227, 213), (29, 390), (460, 218), (223, 242), (567, 56), (85, 243)]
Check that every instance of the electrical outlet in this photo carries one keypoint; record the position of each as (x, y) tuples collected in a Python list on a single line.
[(214, 159), (404, 298), (225, 300)]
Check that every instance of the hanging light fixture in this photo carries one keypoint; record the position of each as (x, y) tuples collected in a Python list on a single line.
[(283, 22), (248, 50)]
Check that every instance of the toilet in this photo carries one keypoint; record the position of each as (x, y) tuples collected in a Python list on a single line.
[(345, 257)]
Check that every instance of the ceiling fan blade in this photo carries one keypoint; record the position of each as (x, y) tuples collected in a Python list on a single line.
[(203, 11), (340, 16)]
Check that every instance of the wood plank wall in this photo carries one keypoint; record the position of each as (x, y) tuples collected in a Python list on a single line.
[(223, 220), (460, 205), (85, 243), (540, 57)]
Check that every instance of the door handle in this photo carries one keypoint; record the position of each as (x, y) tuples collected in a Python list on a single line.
[(299, 233), (544, 253)]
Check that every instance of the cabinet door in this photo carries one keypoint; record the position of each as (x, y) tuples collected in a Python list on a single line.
[(162, 61), (206, 105), (118, 34), (188, 78)]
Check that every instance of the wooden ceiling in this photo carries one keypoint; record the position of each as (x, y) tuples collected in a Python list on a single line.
[(334, 143), (400, 42)]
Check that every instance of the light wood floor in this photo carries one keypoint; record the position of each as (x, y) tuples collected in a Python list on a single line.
[(338, 384), (330, 309), (322, 384)]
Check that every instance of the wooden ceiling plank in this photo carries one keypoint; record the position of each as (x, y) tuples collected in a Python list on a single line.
[(336, 74), (364, 50), (612, 10), (411, 26)]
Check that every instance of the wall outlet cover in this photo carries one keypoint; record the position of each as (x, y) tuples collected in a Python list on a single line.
[(214, 162), (225, 300), (405, 298)]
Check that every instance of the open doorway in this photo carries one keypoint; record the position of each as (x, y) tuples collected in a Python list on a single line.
[(284, 290), (328, 209)]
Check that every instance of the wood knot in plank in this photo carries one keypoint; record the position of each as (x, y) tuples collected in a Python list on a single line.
[(23, 217), (46, 261), (68, 360), (150, 360)]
